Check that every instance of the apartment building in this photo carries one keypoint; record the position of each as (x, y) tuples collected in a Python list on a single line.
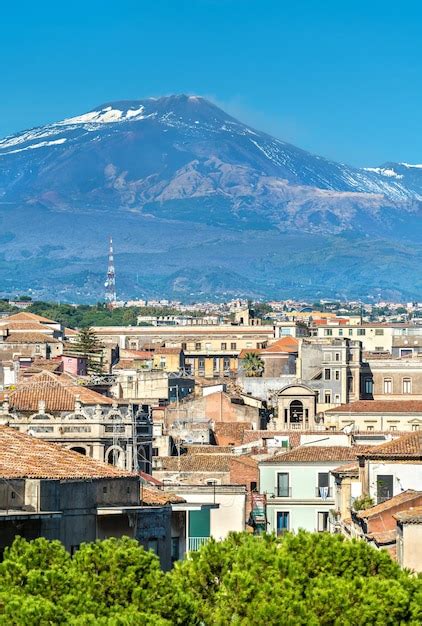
[(376, 415), (209, 351), (391, 378), (377, 337)]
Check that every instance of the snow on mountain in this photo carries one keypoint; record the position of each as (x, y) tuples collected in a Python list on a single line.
[(181, 166)]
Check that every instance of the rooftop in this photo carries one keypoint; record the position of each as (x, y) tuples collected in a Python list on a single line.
[(22, 456), (27, 316), (401, 498), (407, 446), (379, 406), (29, 337), (315, 454), (410, 516)]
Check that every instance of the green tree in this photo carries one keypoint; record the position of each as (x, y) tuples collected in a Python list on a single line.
[(252, 364), (88, 345)]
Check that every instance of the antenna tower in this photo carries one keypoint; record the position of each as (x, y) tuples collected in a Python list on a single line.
[(110, 284)]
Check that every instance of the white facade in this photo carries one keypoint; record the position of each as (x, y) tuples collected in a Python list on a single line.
[(404, 476)]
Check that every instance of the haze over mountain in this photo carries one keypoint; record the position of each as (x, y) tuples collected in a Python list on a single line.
[(199, 204)]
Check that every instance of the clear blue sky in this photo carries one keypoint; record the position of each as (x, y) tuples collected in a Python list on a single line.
[(341, 78)]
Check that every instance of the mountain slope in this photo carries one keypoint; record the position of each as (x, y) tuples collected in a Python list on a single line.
[(176, 173)]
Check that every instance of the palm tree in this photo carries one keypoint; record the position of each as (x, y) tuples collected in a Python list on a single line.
[(252, 364)]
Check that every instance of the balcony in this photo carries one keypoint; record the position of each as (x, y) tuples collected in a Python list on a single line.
[(195, 543), (284, 492), (323, 492)]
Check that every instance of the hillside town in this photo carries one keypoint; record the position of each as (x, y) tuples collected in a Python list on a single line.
[(183, 428)]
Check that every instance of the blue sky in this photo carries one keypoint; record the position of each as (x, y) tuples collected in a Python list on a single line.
[(339, 78)]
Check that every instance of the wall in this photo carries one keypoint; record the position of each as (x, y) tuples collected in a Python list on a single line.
[(407, 475), (411, 539)]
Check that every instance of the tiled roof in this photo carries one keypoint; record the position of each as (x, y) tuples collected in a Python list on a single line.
[(205, 462), (410, 516), (383, 537), (27, 316), (25, 325), (22, 456), (407, 446), (230, 433), (168, 351), (315, 454), (401, 498), (58, 393), (379, 406), (286, 344), (151, 496), (349, 469), (136, 354), (30, 338), (205, 449), (125, 364)]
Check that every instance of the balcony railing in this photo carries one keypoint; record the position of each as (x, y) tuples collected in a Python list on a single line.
[(197, 542), (323, 492), (285, 492)]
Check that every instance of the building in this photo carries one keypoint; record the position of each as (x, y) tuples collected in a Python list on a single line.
[(149, 386), (376, 415), (209, 351), (47, 491), (57, 409), (299, 486), (409, 538), (391, 378)]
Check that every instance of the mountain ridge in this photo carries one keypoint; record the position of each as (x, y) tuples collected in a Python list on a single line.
[(180, 162)]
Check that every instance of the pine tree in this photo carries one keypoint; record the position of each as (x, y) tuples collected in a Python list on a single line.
[(89, 346)]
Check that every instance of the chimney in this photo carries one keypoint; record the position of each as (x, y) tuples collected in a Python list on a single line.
[(41, 407), (78, 405)]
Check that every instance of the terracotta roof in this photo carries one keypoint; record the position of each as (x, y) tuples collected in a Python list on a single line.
[(205, 449), (30, 338), (230, 433), (25, 325), (125, 364), (204, 462), (407, 446), (245, 351), (27, 316), (136, 354), (58, 393), (286, 344), (168, 351), (410, 516), (315, 454), (22, 456), (401, 498), (70, 332), (349, 469), (380, 406), (383, 537), (148, 478), (151, 496)]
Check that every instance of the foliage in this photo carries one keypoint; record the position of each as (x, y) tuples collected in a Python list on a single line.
[(252, 364), (99, 314), (88, 345), (308, 578), (363, 502)]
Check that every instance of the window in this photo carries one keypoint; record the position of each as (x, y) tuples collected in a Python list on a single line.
[(155, 452), (253, 486), (327, 374), (369, 386), (175, 549), (328, 332), (350, 332), (393, 427), (327, 397), (283, 485), (384, 487), (283, 522), (388, 385), (323, 490), (407, 385), (207, 347), (224, 346), (226, 363), (184, 346), (379, 331), (337, 398), (361, 331), (198, 345), (415, 427), (369, 429), (37, 349), (322, 521), (233, 345), (153, 545), (340, 332), (337, 375), (404, 352), (337, 356)]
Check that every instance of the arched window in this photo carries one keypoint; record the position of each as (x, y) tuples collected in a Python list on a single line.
[(79, 450), (296, 412)]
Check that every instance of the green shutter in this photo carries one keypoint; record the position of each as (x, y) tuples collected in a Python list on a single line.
[(199, 523)]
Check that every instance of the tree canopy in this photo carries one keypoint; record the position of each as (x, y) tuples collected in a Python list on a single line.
[(245, 580)]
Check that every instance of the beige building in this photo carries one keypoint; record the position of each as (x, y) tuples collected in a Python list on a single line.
[(209, 351), (296, 408), (376, 415), (391, 379), (409, 538), (374, 337)]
